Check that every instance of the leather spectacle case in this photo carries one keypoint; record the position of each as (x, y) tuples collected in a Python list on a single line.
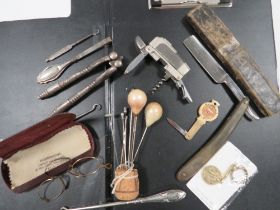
[(56, 137)]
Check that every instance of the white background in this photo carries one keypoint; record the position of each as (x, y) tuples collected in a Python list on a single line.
[(216, 196), (276, 27), (32, 9)]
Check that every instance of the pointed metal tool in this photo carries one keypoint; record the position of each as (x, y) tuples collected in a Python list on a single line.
[(69, 47)]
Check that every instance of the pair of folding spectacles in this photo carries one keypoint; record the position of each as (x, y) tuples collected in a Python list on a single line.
[(46, 190)]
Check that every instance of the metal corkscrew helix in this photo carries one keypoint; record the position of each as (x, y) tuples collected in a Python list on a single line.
[(158, 85)]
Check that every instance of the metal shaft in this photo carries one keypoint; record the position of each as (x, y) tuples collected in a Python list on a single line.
[(133, 137), (122, 150), (124, 129), (119, 203), (144, 133), (130, 137), (125, 137), (164, 197)]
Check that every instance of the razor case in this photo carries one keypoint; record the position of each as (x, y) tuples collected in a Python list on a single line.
[(235, 59)]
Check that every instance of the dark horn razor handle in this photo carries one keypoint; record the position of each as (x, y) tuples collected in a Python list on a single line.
[(193, 165)]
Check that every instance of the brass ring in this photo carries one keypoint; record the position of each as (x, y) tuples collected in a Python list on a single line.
[(50, 180)]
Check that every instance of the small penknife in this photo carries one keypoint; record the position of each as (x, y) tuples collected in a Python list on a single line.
[(216, 71), (207, 112), (177, 127)]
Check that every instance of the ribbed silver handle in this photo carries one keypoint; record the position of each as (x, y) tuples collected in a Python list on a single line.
[(78, 96)]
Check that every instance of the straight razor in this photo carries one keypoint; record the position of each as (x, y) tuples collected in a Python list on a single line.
[(215, 70)]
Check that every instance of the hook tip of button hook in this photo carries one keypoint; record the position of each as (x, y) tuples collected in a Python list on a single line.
[(95, 106)]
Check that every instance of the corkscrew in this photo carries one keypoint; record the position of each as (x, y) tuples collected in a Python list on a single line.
[(160, 49), (158, 85)]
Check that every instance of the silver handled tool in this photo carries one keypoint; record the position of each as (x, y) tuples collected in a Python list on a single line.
[(51, 73), (164, 197), (172, 4), (162, 50), (65, 83), (69, 47), (216, 71), (115, 65)]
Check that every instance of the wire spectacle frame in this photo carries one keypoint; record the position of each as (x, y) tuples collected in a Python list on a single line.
[(73, 169)]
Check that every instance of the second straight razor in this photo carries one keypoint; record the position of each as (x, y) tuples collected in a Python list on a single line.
[(216, 71)]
